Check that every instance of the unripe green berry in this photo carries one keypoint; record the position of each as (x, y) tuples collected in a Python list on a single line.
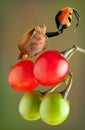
[(29, 105), (54, 109)]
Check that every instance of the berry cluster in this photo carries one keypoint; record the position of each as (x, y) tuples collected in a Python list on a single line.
[(51, 69)]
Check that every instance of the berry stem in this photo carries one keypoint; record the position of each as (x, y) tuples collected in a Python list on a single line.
[(69, 81), (68, 53), (53, 89), (66, 81)]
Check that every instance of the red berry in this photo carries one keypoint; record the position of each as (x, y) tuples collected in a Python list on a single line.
[(21, 76), (51, 68)]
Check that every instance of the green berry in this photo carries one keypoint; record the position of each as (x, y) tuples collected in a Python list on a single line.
[(29, 105), (54, 109)]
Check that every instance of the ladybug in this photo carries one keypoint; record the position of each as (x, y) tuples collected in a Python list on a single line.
[(64, 17), (63, 20)]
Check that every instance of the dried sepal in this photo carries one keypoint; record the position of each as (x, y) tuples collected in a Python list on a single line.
[(33, 42)]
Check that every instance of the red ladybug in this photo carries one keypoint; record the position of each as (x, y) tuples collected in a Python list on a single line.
[(63, 20), (64, 17)]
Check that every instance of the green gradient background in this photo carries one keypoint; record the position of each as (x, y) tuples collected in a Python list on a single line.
[(16, 17)]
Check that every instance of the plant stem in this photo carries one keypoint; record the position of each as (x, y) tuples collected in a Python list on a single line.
[(66, 91), (65, 81), (68, 53), (53, 89)]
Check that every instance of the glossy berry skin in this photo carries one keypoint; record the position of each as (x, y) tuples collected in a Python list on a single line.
[(29, 105), (54, 109), (21, 76), (51, 68)]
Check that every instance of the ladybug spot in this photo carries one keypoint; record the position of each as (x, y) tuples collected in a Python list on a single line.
[(69, 19)]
